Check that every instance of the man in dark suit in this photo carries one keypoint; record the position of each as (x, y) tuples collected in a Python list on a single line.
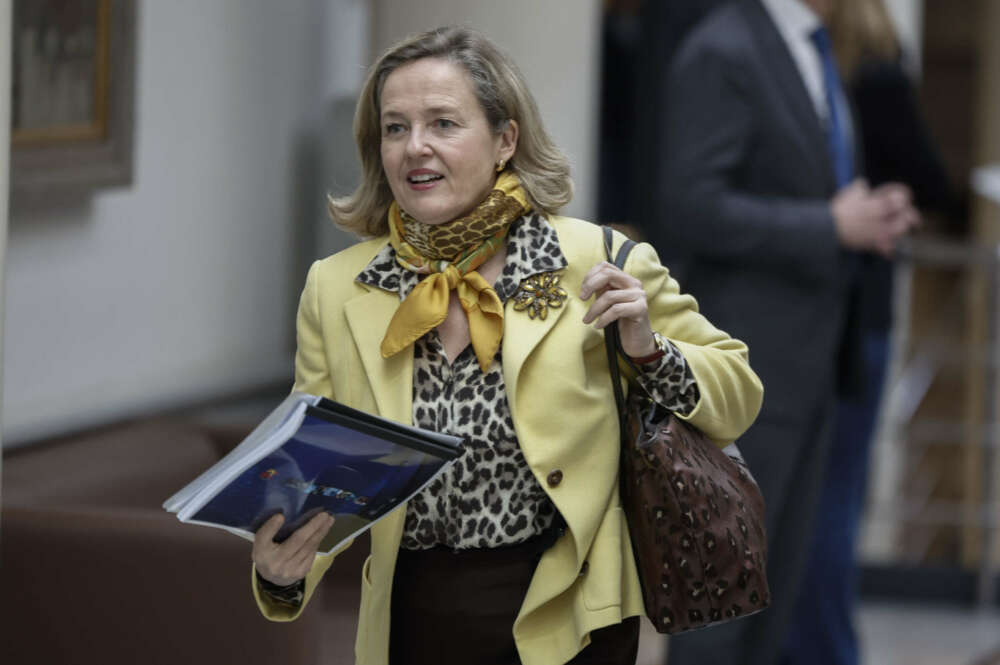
[(764, 220)]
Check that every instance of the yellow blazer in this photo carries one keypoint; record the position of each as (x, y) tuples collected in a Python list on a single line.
[(563, 409)]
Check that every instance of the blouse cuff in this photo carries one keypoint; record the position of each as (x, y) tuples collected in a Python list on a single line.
[(290, 596), (669, 381)]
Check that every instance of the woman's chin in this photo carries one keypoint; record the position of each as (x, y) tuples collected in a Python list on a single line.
[(433, 216)]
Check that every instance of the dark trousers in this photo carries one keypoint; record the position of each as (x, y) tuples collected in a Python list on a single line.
[(823, 631), (787, 459), (459, 608)]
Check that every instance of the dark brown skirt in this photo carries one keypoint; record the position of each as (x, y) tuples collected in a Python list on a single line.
[(459, 607)]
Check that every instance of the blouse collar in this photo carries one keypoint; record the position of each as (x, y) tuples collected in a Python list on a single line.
[(532, 248)]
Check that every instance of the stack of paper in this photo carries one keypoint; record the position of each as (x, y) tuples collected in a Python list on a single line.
[(312, 454)]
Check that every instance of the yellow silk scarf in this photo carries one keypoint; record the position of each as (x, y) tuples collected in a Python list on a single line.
[(426, 307)]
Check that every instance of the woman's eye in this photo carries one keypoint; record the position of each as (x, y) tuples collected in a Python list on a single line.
[(444, 123), (393, 128)]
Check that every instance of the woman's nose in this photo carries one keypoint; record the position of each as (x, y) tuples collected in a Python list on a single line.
[(417, 142)]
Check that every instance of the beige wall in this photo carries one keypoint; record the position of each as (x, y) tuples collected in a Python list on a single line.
[(556, 43), (182, 286)]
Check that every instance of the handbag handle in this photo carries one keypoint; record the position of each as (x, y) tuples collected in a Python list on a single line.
[(612, 338), (613, 343)]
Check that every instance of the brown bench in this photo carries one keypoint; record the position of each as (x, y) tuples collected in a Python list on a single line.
[(94, 571)]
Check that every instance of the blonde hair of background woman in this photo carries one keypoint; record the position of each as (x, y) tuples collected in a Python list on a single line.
[(503, 96), (862, 29)]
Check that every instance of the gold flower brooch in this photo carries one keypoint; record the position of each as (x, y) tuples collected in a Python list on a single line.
[(539, 292)]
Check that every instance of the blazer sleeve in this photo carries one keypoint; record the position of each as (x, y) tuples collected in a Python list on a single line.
[(705, 210), (280, 612), (730, 392), (312, 375)]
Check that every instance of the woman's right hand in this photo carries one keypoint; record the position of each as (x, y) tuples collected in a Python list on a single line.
[(288, 562)]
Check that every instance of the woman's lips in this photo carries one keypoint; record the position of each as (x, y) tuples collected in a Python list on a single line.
[(420, 179)]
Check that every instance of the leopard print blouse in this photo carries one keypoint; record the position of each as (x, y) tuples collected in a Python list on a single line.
[(489, 497)]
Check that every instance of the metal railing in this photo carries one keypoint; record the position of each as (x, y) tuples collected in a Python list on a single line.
[(913, 378)]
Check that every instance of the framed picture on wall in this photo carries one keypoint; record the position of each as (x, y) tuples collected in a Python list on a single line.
[(72, 96)]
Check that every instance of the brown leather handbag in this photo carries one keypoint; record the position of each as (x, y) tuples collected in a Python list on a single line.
[(694, 512)]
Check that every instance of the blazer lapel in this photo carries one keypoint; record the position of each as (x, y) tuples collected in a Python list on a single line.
[(795, 97), (391, 379), (522, 335)]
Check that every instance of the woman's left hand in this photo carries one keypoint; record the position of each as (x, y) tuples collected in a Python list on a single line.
[(620, 297)]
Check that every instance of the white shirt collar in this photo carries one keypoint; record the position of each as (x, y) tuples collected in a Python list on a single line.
[(796, 22), (795, 19)]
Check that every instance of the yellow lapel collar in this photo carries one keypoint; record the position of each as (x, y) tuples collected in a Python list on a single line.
[(391, 379), (522, 335)]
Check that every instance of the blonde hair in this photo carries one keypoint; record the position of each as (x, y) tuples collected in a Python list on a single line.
[(503, 95), (862, 29)]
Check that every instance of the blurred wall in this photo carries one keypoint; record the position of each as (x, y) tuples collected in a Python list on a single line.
[(330, 146), (908, 19), (556, 44), (5, 84), (182, 286)]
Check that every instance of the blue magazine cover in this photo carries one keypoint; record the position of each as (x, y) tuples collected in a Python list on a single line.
[(356, 470)]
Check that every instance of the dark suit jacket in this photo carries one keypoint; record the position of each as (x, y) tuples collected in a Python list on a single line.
[(744, 215)]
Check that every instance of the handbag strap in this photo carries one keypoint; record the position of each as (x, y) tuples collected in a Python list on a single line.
[(612, 338), (613, 344)]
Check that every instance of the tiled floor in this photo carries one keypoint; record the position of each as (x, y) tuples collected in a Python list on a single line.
[(900, 635), (928, 635)]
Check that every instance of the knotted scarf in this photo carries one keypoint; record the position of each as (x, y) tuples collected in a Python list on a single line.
[(449, 255)]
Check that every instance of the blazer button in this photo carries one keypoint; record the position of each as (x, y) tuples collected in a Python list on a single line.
[(584, 568), (554, 478)]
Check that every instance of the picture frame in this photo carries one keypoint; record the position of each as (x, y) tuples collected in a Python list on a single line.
[(73, 95)]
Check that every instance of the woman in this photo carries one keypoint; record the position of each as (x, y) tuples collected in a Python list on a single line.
[(467, 312)]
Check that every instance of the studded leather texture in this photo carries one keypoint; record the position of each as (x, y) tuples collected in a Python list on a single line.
[(695, 515), (696, 519)]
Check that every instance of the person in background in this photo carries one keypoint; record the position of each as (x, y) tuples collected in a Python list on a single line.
[(473, 308), (763, 205), (897, 147)]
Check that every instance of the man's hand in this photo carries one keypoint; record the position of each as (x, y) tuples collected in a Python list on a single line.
[(873, 220)]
